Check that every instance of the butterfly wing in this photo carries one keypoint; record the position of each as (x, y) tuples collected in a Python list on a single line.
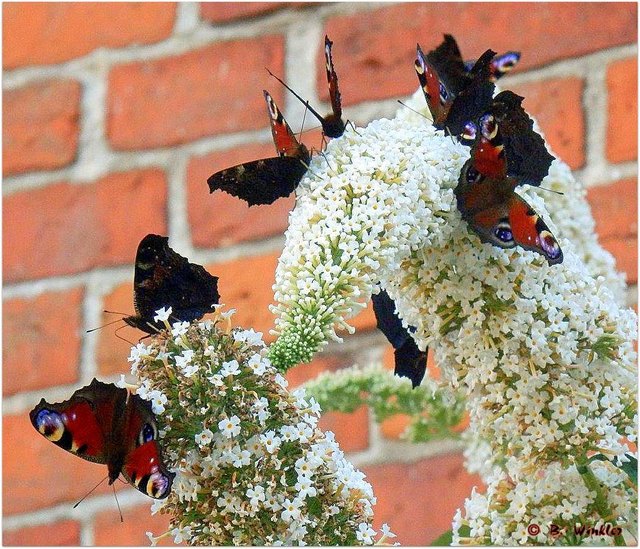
[(410, 361), (474, 100), (501, 217), (163, 278), (283, 137), (82, 424), (504, 63), (261, 181), (143, 465), (447, 61), (437, 95), (526, 155), (332, 79)]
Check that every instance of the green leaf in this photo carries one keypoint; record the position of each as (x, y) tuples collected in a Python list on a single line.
[(631, 468), (443, 540), (314, 505)]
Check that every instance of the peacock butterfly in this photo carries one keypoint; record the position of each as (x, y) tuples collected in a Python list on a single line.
[(264, 181), (410, 361), (332, 124), (506, 152), (454, 95), (163, 278), (106, 424)]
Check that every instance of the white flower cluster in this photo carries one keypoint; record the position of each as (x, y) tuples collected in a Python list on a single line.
[(543, 354), (252, 467)]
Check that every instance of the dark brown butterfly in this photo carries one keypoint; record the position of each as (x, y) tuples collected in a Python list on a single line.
[(163, 279), (332, 124), (264, 181), (454, 95), (106, 424), (506, 152), (410, 361)]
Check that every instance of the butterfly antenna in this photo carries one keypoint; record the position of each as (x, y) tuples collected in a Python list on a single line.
[(414, 110), (303, 101), (115, 312), (551, 191), (90, 491), (120, 337), (104, 325), (117, 502), (349, 123), (322, 153)]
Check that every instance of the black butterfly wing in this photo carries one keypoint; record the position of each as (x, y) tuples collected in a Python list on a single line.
[(261, 181), (474, 100), (410, 361), (447, 61), (525, 152), (163, 278)]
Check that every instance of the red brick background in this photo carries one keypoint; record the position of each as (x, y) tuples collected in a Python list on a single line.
[(114, 116)]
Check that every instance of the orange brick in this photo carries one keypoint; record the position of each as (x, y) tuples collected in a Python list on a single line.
[(557, 105), (394, 426), (38, 474), (614, 208), (216, 89), (351, 430), (365, 320), (222, 12), (108, 530), (41, 33), (41, 126), (112, 349), (622, 127), (67, 228), (41, 341), (66, 532), (322, 363), (418, 500), (374, 51), (220, 219)]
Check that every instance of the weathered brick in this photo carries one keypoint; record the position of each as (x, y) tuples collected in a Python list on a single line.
[(418, 500), (41, 33), (351, 430), (622, 122), (66, 532), (557, 106), (41, 126), (614, 208), (41, 337), (222, 12), (67, 228), (108, 530), (374, 51), (38, 474), (216, 89), (220, 219)]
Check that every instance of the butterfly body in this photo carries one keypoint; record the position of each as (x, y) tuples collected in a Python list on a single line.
[(163, 278), (106, 424), (264, 181)]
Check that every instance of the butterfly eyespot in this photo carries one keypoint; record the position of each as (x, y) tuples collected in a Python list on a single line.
[(147, 434), (50, 424), (549, 245), (503, 233), (488, 126), (469, 132), (157, 485), (419, 64), (472, 175)]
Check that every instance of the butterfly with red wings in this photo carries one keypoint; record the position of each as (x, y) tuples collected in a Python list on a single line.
[(505, 153), (106, 424), (332, 124), (264, 181)]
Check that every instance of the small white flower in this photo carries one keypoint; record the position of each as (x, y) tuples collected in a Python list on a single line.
[(228, 314), (386, 531), (204, 438), (231, 368), (230, 427), (158, 400), (291, 509), (179, 328), (270, 441), (162, 315), (365, 533)]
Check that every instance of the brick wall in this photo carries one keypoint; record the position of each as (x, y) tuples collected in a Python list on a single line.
[(115, 114)]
